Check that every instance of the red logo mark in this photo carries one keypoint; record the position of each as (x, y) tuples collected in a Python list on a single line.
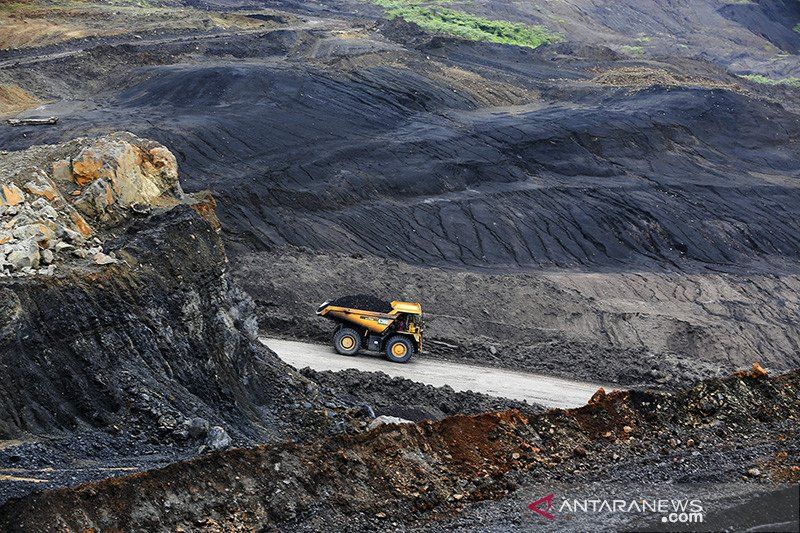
[(535, 506)]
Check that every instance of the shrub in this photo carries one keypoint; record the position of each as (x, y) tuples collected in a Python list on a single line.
[(758, 78), (457, 23)]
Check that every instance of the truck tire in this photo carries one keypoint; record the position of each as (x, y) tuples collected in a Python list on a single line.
[(399, 349), (347, 341)]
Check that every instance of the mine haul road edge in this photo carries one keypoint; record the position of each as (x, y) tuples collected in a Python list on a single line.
[(533, 388)]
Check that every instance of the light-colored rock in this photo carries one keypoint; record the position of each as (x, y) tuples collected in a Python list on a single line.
[(39, 232), (102, 259), (123, 170), (46, 256), (73, 236), (24, 254), (12, 195), (754, 472), (60, 206), (62, 171), (385, 419), (80, 224), (42, 189), (218, 438), (87, 167), (43, 209), (62, 247)]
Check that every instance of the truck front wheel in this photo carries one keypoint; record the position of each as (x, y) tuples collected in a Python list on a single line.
[(347, 341), (399, 349)]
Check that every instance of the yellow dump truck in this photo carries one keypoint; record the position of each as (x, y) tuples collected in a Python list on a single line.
[(394, 328)]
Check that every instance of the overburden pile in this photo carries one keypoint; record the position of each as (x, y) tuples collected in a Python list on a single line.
[(410, 473)]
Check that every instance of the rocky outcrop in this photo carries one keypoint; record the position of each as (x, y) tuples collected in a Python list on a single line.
[(57, 212), (116, 311)]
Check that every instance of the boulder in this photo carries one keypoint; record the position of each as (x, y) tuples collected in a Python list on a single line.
[(80, 224), (103, 259), (121, 170), (24, 254), (385, 419), (62, 171), (46, 256), (197, 427), (38, 232), (41, 188), (12, 195), (218, 439), (73, 236), (43, 209)]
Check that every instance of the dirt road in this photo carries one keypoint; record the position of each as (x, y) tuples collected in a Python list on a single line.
[(544, 390)]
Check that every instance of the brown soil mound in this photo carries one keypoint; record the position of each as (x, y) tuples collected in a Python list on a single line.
[(13, 99), (34, 24), (409, 472)]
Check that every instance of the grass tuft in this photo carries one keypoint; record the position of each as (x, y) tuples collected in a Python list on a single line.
[(632, 50), (440, 19), (758, 78)]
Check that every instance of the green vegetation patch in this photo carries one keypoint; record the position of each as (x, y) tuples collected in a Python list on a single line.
[(632, 50), (440, 19), (797, 28), (758, 78)]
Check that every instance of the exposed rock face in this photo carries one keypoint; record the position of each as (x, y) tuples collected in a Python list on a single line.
[(79, 198), (121, 173), (138, 327)]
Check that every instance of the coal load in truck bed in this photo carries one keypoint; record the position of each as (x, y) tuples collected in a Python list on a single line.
[(363, 301)]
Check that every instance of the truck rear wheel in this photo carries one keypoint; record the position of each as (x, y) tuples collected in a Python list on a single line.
[(399, 349), (347, 341)]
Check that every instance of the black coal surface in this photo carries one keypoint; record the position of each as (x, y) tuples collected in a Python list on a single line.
[(363, 301), (412, 161), (394, 396), (365, 162)]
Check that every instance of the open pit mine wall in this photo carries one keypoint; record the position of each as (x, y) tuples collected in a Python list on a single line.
[(152, 339), (162, 336)]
